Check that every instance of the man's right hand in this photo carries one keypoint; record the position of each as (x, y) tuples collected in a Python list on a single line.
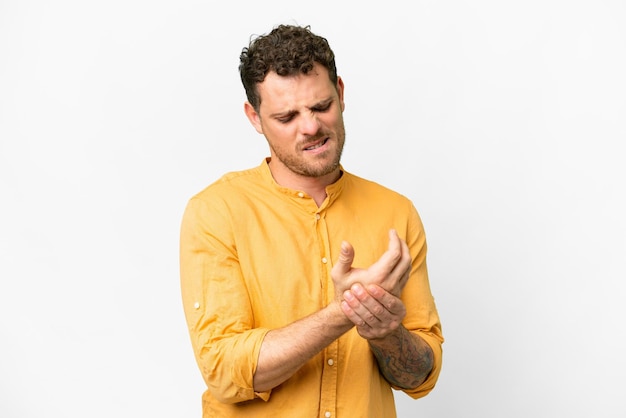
[(390, 271)]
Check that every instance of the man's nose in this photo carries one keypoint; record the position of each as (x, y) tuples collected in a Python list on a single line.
[(309, 124)]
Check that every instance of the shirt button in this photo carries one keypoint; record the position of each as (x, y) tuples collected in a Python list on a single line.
[(327, 414), (331, 362), (300, 194), (324, 260), (196, 305), (317, 216)]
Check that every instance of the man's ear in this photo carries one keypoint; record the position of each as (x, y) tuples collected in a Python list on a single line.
[(253, 117), (340, 88)]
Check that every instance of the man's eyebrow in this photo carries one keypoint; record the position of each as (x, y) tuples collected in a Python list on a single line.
[(291, 112), (283, 114), (322, 103)]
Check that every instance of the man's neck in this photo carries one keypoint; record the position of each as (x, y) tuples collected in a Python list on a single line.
[(313, 186)]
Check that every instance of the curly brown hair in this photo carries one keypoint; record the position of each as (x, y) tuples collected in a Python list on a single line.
[(287, 50)]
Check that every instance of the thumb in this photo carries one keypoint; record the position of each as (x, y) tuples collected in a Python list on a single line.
[(346, 256)]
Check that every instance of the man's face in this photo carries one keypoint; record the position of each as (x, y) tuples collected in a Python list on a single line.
[(302, 119)]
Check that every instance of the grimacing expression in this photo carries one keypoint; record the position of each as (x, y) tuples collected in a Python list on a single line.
[(302, 119)]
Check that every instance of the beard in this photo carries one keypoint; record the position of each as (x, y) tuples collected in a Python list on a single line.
[(318, 166)]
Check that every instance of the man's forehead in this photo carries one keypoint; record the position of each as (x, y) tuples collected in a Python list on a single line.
[(284, 92)]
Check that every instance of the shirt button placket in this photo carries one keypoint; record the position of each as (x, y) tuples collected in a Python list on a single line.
[(328, 395)]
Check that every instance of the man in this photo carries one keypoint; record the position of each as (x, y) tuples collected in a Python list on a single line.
[(305, 287)]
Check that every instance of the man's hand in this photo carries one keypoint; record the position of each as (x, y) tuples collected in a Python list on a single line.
[(370, 299), (404, 359), (390, 272), (375, 312)]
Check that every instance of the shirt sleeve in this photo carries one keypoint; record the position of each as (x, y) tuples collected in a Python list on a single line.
[(422, 317), (216, 304)]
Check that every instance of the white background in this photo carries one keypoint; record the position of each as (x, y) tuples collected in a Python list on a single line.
[(504, 122)]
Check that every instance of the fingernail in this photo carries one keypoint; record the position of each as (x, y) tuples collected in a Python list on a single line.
[(374, 290), (357, 289)]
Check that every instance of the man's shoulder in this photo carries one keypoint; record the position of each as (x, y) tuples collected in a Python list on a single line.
[(370, 188), (231, 184)]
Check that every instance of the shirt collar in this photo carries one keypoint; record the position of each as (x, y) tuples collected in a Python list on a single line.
[(332, 190)]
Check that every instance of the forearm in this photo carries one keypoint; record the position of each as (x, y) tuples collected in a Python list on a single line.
[(404, 358), (286, 349)]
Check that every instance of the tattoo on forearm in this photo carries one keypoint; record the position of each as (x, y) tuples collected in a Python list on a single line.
[(404, 359)]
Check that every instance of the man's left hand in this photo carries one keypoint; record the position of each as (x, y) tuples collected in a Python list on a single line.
[(375, 312)]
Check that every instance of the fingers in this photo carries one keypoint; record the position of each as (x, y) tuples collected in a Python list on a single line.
[(396, 256), (404, 261), (393, 267), (342, 271), (374, 311), (403, 268), (392, 256), (346, 257), (391, 271)]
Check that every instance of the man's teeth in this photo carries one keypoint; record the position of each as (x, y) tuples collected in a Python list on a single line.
[(316, 146)]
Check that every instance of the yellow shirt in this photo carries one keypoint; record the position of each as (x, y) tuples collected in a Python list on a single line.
[(257, 256)]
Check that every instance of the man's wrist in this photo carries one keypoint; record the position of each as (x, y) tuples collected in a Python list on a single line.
[(336, 315)]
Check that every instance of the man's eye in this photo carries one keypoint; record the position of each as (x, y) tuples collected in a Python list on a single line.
[(323, 108), (285, 119)]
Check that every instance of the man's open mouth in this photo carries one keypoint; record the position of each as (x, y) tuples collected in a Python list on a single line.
[(318, 145)]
